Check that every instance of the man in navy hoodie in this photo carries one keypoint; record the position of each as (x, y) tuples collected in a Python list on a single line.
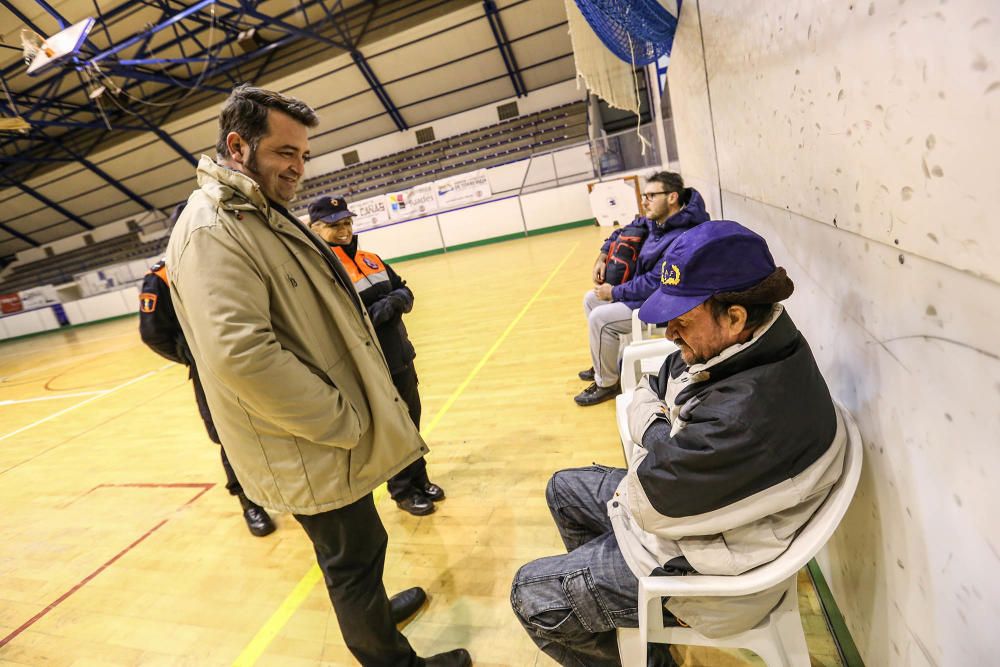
[(671, 209)]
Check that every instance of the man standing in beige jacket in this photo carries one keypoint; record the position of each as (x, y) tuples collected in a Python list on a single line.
[(291, 366)]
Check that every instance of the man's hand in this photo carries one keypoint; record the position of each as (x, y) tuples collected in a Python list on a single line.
[(603, 292), (599, 268)]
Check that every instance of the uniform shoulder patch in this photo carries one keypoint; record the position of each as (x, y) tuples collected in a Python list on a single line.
[(147, 302)]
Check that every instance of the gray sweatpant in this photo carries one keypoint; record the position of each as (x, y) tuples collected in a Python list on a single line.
[(606, 321)]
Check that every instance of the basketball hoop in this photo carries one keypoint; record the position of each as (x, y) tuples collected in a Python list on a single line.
[(33, 44), (41, 53)]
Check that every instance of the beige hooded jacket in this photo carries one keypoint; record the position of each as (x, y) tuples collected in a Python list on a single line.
[(295, 379)]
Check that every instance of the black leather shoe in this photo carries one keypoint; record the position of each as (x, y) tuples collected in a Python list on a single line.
[(433, 491), (593, 394), (258, 521), (405, 604), (416, 504), (457, 658), (587, 375)]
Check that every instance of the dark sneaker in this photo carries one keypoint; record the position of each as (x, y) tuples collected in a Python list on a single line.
[(593, 394), (587, 375), (416, 504), (433, 491)]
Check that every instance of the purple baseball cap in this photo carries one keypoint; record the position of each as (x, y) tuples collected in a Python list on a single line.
[(716, 256)]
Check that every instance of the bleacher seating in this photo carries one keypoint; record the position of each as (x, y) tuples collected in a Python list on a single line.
[(489, 146), (61, 268), (502, 142)]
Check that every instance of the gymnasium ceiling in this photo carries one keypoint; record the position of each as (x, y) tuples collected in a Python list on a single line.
[(116, 131)]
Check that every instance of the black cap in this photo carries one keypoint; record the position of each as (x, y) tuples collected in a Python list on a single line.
[(328, 209)]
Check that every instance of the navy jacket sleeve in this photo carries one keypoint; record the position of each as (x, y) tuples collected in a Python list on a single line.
[(396, 302), (640, 287)]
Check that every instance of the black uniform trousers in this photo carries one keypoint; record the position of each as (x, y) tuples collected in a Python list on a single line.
[(232, 484), (413, 478), (350, 544)]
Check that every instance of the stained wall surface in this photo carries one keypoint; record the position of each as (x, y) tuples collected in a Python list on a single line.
[(860, 138)]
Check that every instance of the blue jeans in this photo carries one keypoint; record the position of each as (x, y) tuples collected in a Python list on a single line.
[(571, 604)]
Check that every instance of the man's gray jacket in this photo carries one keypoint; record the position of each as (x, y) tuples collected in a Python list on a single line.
[(736, 454)]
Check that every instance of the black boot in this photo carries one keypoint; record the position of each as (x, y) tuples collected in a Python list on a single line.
[(258, 521)]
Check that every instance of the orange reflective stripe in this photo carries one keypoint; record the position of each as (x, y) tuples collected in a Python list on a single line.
[(162, 273), (363, 265), (347, 263)]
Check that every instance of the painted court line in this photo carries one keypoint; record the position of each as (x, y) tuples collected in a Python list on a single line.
[(249, 656), (55, 397), (83, 582), (496, 344), (81, 403)]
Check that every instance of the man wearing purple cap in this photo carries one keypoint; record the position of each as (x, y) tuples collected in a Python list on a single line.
[(738, 443)]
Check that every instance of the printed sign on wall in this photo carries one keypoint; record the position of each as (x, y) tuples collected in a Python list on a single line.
[(413, 202), (10, 303), (464, 189), (38, 297), (369, 213)]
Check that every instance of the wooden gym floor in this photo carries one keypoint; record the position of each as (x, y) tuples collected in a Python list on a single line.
[(120, 546)]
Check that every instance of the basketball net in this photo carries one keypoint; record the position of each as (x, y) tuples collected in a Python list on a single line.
[(33, 44)]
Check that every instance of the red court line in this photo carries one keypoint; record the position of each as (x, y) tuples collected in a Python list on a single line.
[(52, 605)]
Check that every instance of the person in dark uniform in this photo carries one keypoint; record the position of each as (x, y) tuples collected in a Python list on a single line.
[(161, 332), (386, 297)]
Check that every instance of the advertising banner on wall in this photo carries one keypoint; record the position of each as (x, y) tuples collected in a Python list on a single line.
[(38, 297), (10, 303), (464, 189), (413, 202), (369, 213)]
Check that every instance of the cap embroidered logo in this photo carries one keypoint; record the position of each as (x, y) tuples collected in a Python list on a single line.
[(671, 277)]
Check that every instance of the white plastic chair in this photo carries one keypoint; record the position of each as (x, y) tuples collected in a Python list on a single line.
[(639, 359), (642, 331), (778, 639), (642, 358)]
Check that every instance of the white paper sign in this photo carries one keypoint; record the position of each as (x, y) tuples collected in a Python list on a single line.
[(413, 202), (457, 190), (613, 202), (369, 212)]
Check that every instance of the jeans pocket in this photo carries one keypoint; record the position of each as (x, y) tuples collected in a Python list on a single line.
[(587, 603)]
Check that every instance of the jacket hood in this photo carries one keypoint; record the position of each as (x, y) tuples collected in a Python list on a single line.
[(222, 183), (693, 212)]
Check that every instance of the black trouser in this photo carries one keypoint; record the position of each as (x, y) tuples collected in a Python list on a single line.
[(350, 545), (413, 477), (232, 484)]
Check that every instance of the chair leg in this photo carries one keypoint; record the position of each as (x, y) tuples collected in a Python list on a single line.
[(790, 639)]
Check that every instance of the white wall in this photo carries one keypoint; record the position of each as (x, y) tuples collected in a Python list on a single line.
[(860, 139)]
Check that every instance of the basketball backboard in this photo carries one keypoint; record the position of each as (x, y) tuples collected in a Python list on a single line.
[(60, 46)]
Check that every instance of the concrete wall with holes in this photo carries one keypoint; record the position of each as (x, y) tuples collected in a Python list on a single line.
[(860, 138)]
